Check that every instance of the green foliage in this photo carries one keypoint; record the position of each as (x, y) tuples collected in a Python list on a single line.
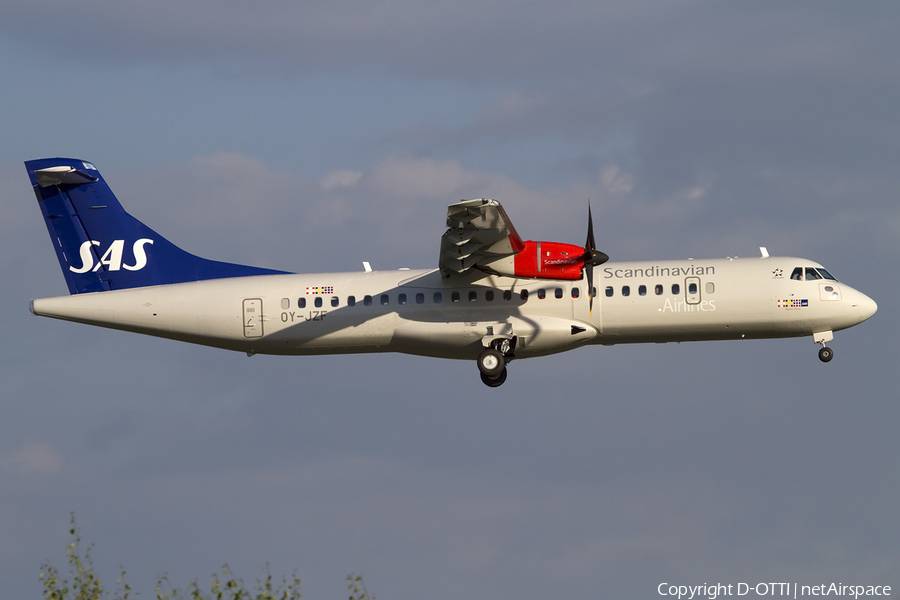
[(81, 583), (225, 586), (358, 588)]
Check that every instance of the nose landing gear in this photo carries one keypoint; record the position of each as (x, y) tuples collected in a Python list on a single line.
[(825, 353)]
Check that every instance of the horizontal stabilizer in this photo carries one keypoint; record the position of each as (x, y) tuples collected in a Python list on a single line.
[(62, 176)]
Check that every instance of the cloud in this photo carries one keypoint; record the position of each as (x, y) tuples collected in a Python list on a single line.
[(465, 40), (230, 206), (32, 458), (340, 179)]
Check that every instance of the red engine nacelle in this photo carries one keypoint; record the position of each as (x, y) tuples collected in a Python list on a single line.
[(550, 260)]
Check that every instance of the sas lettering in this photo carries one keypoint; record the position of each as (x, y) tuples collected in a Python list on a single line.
[(112, 258)]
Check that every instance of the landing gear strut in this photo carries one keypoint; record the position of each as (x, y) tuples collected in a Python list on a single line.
[(822, 338)]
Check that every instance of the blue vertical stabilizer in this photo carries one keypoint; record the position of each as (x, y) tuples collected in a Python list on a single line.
[(99, 245)]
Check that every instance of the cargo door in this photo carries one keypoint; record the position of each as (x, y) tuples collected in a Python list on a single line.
[(253, 324)]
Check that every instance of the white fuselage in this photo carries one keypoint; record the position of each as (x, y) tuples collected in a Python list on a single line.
[(420, 312)]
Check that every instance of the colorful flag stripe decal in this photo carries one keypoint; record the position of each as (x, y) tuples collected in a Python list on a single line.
[(793, 303), (320, 289)]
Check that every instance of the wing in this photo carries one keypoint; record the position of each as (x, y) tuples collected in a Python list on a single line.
[(479, 233)]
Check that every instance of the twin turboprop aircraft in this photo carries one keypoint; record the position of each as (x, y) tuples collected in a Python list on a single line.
[(492, 299)]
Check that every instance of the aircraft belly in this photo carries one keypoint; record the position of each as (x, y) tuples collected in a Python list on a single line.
[(332, 333), (440, 339)]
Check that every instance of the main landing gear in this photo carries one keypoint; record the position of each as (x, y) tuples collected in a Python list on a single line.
[(492, 361)]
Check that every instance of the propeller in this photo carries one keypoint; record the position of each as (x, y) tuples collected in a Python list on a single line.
[(592, 258)]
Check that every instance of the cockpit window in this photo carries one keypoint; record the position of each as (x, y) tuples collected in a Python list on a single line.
[(826, 274), (812, 274)]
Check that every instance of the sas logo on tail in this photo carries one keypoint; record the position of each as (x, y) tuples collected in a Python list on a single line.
[(112, 258)]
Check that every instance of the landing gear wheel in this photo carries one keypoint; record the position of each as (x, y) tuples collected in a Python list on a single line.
[(826, 354), (496, 381), (491, 363)]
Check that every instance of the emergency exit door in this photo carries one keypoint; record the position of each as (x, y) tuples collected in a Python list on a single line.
[(692, 290)]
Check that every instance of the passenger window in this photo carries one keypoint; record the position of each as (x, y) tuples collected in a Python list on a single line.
[(367, 300), (401, 298), (334, 301), (454, 297), (489, 295), (524, 295), (384, 300), (609, 291), (285, 303), (642, 291), (692, 288), (473, 296), (558, 293), (710, 287), (797, 274), (438, 297), (676, 289), (318, 301), (351, 300), (507, 294), (575, 292), (812, 274), (420, 298), (626, 290), (301, 303), (542, 293), (658, 290)]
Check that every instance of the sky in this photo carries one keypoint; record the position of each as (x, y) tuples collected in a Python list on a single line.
[(313, 136)]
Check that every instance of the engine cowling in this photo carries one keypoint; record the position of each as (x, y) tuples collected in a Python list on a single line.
[(546, 260)]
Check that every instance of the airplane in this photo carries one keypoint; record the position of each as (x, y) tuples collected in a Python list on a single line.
[(493, 297)]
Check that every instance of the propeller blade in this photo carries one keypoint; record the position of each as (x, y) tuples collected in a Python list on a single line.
[(592, 258), (589, 245), (589, 271)]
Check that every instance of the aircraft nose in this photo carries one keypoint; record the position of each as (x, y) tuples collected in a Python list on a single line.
[(866, 307)]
